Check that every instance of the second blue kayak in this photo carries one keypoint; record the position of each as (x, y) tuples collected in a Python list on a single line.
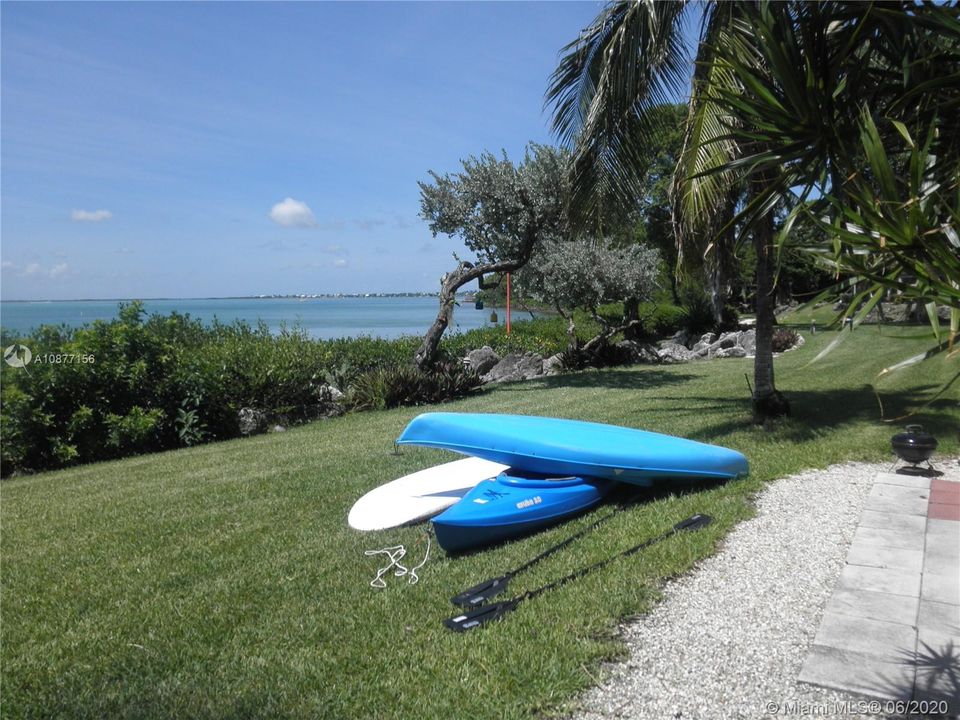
[(514, 504), (573, 447)]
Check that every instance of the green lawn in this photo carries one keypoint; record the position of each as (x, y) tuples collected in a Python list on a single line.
[(222, 581)]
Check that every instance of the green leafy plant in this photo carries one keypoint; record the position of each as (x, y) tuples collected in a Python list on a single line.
[(784, 339)]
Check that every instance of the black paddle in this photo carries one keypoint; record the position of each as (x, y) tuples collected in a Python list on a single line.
[(486, 613), (488, 589)]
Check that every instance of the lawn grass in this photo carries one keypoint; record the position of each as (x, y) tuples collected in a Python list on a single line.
[(222, 581)]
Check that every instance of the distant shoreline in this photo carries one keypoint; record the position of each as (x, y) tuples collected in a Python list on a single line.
[(309, 296)]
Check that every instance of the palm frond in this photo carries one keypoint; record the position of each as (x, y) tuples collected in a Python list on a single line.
[(603, 93)]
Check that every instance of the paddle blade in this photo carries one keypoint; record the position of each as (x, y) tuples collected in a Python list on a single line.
[(480, 616), (694, 522), (481, 592)]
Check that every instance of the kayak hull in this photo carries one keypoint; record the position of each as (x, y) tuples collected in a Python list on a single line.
[(512, 505), (555, 446)]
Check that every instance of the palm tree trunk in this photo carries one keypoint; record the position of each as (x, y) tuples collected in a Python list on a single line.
[(767, 401)]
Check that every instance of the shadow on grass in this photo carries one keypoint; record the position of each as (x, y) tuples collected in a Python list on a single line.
[(623, 380), (816, 411), (623, 497)]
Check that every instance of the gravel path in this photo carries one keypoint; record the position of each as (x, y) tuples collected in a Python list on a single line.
[(729, 639)]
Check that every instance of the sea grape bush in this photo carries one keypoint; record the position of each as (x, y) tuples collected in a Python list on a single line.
[(165, 381)]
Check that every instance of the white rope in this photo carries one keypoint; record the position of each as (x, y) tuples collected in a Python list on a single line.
[(396, 553), (414, 578)]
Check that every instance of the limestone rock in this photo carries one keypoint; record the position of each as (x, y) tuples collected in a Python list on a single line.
[(728, 340), (251, 420), (638, 352), (674, 353), (706, 340), (515, 367), (553, 365), (731, 352), (482, 361)]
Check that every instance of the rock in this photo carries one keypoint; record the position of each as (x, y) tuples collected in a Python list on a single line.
[(706, 340), (553, 365), (530, 366), (251, 420), (647, 353), (334, 394), (680, 337), (674, 353), (515, 367), (278, 428), (481, 361), (637, 352), (731, 352), (748, 341), (728, 340)]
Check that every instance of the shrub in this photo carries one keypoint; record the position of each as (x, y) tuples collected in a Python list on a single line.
[(166, 381), (697, 313), (784, 339), (402, 385), (660, 319)]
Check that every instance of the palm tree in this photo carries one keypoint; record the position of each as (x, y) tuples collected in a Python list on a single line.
[(853, 104), (603, 94), (857, 106)]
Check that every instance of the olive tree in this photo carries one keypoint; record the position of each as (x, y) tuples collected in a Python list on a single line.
[(501, 211), (588, 273)]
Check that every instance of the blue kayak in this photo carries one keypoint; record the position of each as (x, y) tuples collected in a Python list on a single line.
[(513, 504), (559, 447)]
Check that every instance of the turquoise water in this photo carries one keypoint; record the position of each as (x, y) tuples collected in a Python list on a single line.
[(324, 318)]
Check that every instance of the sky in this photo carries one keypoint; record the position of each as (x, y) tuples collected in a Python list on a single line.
[(180, 149)]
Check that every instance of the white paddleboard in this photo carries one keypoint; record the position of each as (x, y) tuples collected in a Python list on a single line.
[(421, 495)]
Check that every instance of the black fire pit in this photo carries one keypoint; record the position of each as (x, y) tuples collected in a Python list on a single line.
[(914, 446)]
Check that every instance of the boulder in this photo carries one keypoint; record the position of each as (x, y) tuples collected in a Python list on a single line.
[(553, 365), (638, 352), (251, 420), (748, 341), (706, 340), (680, 337), (728, 340), (331, 403), (333, 394), (482, 361), (674, 353), (515, 367), (647, 353), (731, 352)]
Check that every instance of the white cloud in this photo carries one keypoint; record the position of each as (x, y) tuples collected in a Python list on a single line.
[(8, 265), (90, 215), (36, 269), (292, 213), (340, 263), (333, 249)]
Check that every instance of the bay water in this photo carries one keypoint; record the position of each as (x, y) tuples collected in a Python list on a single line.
[(322, 318)]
